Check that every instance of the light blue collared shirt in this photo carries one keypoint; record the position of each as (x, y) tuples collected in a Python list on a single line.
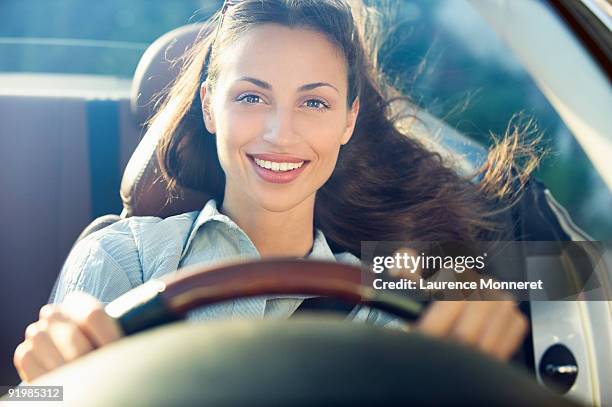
[(124, 255)]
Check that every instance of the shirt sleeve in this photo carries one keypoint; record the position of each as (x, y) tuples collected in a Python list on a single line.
[(105, 265)]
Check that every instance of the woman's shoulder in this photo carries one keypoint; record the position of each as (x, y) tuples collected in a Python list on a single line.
[(114, 259), (142, 238), (142, 228)]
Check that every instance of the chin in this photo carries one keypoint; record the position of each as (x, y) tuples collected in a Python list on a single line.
[(278, 201), (277, 205)]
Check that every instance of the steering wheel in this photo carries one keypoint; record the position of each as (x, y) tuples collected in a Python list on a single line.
[(169, 299), (315, 359)]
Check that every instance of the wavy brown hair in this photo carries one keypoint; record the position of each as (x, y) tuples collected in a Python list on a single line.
[(387, 186)]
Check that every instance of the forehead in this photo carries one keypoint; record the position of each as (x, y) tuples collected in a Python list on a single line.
[(284, 56)]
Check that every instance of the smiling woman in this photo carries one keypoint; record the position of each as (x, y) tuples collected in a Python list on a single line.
[(261, 93), (281, 116), (277, 123)]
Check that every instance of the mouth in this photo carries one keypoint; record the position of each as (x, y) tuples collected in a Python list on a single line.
[(277, 169)]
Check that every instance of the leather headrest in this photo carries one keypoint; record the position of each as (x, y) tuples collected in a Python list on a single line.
[(143, 190), (158, 67)]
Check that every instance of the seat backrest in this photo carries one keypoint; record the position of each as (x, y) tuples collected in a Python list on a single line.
[(143, 190)]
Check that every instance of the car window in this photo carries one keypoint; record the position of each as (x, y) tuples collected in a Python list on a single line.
[(88, 37), (453, 64), (442, 52)]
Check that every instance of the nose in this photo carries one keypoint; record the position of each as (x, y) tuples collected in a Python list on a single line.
[(280, 129)]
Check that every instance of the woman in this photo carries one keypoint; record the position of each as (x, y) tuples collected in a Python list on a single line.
[(282, 117)]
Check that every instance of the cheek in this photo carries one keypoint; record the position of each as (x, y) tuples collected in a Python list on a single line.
[(326, 149), (325, 140), (235, 132)]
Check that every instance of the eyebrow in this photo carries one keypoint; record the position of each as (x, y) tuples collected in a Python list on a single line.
[(266, 85)]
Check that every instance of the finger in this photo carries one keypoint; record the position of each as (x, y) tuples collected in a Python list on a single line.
[(90, 316), (61, 330), (495, 329), (28, 367), (43, 347), (440, 317), (47, 311), (514, 337), (52, 313), (70, 341), (471, 322)]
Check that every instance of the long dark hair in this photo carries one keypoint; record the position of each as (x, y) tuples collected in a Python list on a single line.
[(386, 184)]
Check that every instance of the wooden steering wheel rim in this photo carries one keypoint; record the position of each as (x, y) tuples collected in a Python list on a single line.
[(171, 298)]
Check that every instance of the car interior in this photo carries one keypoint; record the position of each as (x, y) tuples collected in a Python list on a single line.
[(53, 200)]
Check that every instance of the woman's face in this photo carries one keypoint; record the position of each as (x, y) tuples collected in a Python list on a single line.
[(279, 114)]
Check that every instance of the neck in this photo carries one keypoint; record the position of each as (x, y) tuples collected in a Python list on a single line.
[(287, 233)]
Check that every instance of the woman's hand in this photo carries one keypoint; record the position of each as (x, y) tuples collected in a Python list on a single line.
[(496, 328), (64, 333)]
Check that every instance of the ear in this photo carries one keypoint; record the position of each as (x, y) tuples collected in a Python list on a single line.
[(207, 112), (350, 123)]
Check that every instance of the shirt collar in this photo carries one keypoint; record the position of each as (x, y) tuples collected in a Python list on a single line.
[(320, 248)]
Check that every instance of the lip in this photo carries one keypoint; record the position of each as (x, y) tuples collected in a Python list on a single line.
[(279, 158), (277, 177)]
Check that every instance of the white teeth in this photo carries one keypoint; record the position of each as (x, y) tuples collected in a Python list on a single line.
[(279, 167)]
